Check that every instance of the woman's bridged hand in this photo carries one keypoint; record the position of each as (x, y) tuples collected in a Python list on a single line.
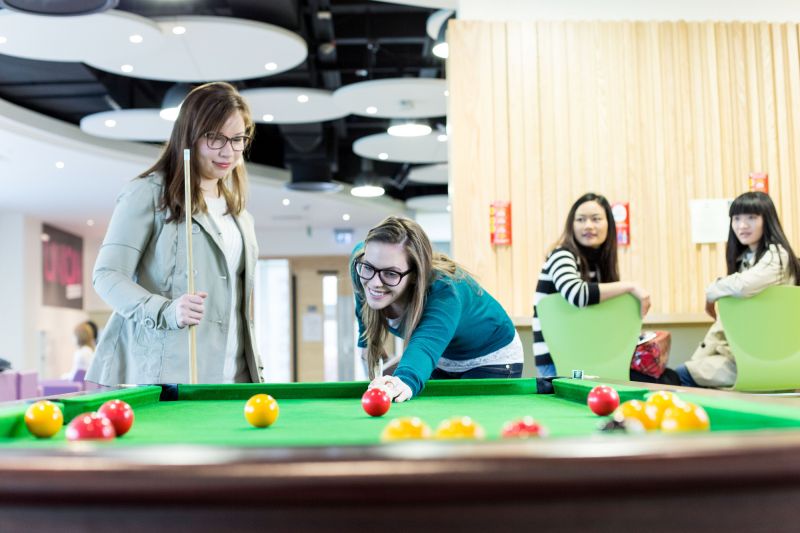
[(190, 308), (397, 390)]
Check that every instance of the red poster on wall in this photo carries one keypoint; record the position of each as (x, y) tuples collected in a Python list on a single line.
[(500, 222), (622, 219), (759, 181), (62, 268)]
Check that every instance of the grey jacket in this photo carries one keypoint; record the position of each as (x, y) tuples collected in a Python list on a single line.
[(141, 270)]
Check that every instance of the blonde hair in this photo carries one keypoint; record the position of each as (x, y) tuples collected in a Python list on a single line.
[(205, 109), (84, 335), (425, 265)]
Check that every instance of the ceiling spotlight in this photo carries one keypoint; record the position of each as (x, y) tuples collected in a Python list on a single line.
[(446, 92), (179, 30), (441, 50), (368, 183), (267, 117), (110, 123), (286, 201), (383, 156), (449, 208), (126, 68), (90, 222), (367, 191), (3, 40), (371, 110), (173, 98), (345, 217), (302, 98), (408, 128), (59, 164), (271, 66), (136, 38), (442, 138)]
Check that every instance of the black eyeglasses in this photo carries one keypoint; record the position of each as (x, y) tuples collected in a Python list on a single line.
[(388, 276), (216, 141)]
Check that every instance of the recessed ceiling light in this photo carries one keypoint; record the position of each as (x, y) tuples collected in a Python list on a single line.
[(170, 113), (271, 66), (59, 164), (367, 191), (302, 98), (126, 68), (446, 92), (136, 38), (286, 201), (110, 123), (442, 138), (3, 40), (408, 129), (371, 110), (179, 30), (45, 237), (90, 222), (345, 217), (449, 208), (267, 117), (383, 156), (441, 50)]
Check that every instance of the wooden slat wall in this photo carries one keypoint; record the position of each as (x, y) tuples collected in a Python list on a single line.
[(653, 113)]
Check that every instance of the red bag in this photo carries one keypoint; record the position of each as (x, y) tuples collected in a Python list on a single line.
[(652, 353)]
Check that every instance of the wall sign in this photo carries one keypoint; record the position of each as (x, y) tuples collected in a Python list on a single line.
[(62, 268), (622, 219), (500, 223), (759, 181)]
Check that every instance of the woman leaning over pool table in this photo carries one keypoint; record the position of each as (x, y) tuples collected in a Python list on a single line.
[(452, 327)]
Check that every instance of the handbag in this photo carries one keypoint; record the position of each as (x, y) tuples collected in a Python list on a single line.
[(652, 353)]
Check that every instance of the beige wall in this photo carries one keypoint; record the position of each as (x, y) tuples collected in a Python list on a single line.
[(653, 113)]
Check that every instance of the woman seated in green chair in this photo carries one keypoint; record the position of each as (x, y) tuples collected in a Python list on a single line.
[(583, 268), (758, 255)]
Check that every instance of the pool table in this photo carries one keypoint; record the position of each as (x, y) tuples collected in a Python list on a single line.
[(191, 462)]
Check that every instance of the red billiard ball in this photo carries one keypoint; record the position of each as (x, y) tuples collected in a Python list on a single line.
[(376, 402), (603, 400), (90, 426), (523, 429), (119, 413)]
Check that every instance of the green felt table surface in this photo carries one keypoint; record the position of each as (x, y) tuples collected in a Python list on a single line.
[(330, 414)]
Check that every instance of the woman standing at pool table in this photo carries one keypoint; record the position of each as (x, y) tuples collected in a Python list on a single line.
[(583, 268), (141, 269), (758, 255), (453, 328)]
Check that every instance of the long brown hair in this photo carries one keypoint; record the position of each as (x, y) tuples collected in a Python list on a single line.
[(205, 109), (425, 265), (607, 265)]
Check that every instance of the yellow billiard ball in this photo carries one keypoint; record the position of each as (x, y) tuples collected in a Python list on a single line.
[(261, 410), (44, 419), (637, 416), (658, 402), (406, 428), (459, 427), (685, 417)]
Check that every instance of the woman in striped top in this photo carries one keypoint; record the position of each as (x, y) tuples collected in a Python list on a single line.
[(582, 267)]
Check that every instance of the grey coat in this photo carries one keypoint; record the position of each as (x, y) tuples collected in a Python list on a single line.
[(141, 271)]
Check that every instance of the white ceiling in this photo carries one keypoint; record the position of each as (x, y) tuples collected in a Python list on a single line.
[(95, 170)]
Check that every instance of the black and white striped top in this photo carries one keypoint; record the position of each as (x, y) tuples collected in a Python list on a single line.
[(560, 273)]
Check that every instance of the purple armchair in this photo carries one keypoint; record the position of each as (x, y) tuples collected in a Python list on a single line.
[(52, 387)]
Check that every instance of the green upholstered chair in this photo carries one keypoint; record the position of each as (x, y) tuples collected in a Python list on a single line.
[(764, 336), (598, 339)]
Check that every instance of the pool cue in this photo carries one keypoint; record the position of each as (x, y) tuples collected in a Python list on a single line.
[(187, 205)]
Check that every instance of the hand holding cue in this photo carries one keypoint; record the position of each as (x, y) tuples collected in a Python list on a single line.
[(187, 205)]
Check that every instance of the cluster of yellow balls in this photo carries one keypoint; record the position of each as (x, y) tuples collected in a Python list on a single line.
[(663, 411), (413, 428)]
